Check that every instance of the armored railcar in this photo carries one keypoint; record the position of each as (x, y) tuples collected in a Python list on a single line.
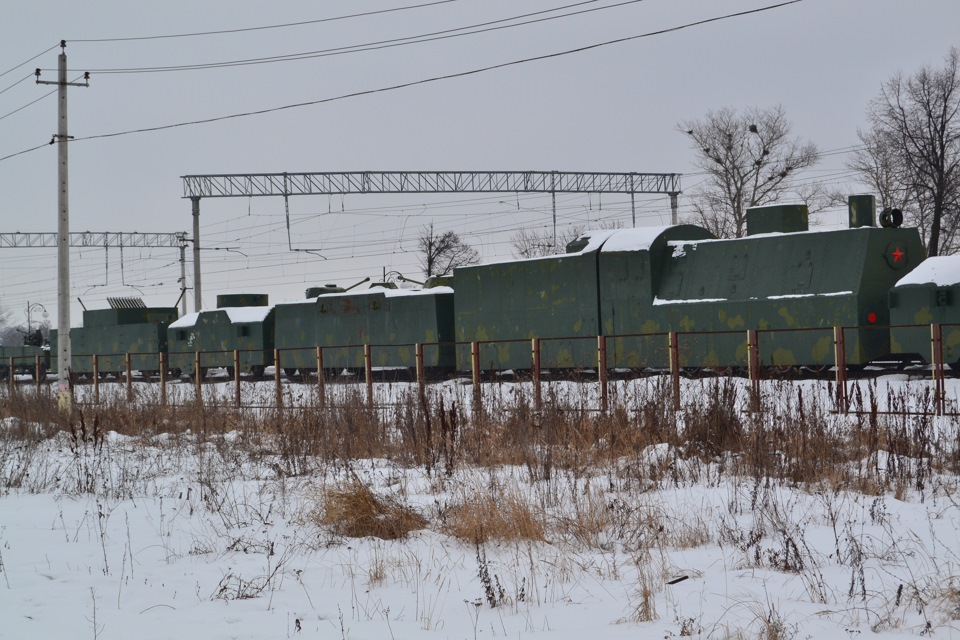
[(241, 322), (560, 299), (930, 294), (392, 320), (128, 327), (791, 284), (26, 360)]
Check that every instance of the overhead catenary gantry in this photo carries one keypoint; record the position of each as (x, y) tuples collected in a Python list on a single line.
[(412, 182), (105, 240)]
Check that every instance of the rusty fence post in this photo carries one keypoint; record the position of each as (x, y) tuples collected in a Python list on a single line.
[(11, 368), (36, 373), (753, 367), (673, 347), (535, 357), (126, 364), (96, 379), (197, 377), (475, 370), (368, 372), (421, 375), (321, 382), (236, 377), (936, 351), (276, 378), (602, 376), (162, 359), (840, 361)]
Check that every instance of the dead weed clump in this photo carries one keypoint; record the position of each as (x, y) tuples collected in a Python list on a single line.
[(481, 517), (715, 427), (354, 511)]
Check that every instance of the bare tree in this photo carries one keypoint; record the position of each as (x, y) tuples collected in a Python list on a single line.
[(10, 335), (439, 254), (749, 159), (530, 243), (911, 155)]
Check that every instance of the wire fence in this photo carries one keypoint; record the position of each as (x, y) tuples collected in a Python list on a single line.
[(834, 353)]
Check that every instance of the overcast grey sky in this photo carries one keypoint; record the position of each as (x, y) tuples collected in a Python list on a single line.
[(613, 108)]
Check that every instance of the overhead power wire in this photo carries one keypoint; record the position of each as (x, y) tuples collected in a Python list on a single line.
[(265, 27), (32, 102), (23, 79), (29, 61), (482, 27), (433, 79)]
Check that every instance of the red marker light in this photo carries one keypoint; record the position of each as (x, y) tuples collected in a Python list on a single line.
[(872, 317)]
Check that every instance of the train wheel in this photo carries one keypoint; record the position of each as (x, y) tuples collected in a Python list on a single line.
[(817, 370), (203, 373), (257, 370), (42, 375), (784, 371), (230, 372), (289, 372)]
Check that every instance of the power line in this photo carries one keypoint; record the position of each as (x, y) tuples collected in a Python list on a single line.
[(262, 28), (478, 28), (32, 102), (440, 78), (28, 61), (23, 79)]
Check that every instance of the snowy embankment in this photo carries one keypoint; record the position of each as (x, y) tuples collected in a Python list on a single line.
[(163, 533)]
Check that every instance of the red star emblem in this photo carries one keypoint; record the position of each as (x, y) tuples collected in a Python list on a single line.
[(897, 255)]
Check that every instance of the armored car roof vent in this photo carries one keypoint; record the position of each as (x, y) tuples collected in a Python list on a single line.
[(862, 210), (779, 218), (126, 303)]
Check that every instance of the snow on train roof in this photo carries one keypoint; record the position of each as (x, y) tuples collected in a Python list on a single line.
[(388, 293), (939, 270), (635, 239), (184, 321), (236, 314)]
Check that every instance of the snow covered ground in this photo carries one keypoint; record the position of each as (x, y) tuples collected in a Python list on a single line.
[(162, 535)]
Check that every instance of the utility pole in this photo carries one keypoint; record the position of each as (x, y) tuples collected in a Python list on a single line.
[(64, 396), (183, 277)]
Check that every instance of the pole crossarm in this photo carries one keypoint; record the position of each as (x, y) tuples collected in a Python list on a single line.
[(358, 182), (93, 239)]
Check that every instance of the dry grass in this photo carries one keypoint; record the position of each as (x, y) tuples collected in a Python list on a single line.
[(869, 452), (485, 515), (354, 511)]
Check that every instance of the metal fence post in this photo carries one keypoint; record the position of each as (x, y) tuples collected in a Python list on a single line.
[(421, 375), (276, 378), (236, 377), (368, 372), (11, 368), (840, 361), (753, 367), (673, 347), (197, 376), (36, 371), (126, 363), (939, 389), (602, 377), (96, 379), (321, 382), (475, 369), (535, 357), (162, 359)]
